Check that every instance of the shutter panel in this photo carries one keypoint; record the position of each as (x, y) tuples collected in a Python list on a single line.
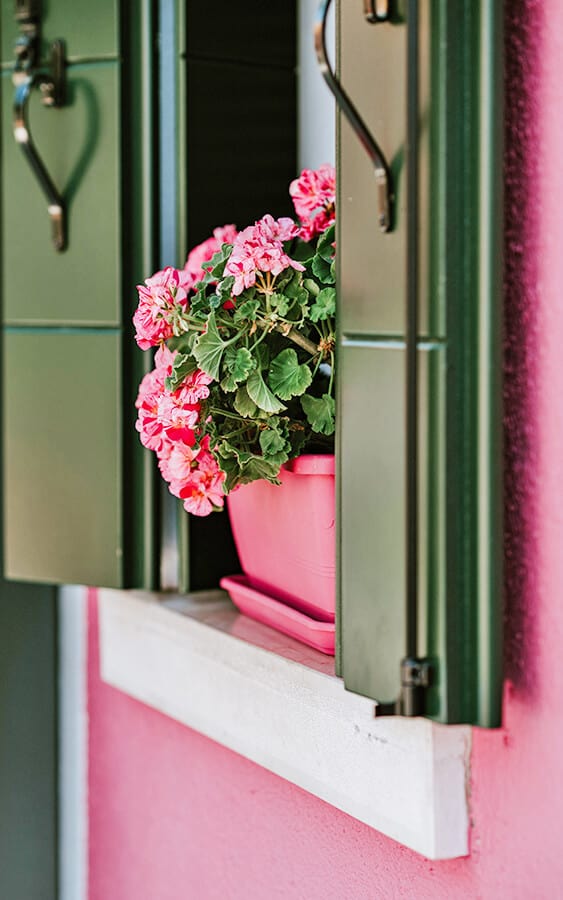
[(77, 487), (429, 87)]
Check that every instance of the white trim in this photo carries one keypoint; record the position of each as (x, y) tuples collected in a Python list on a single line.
[(266, 697), (73, 744)]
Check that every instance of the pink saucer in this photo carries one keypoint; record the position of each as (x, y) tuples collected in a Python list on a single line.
[(265, 609)]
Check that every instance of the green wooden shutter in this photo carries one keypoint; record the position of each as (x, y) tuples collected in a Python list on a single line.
[(429, 85), (78, 492)]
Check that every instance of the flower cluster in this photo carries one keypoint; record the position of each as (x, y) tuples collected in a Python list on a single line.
[(313, 195), (259, 249), (168, 423), (162, 299), (243, 376)]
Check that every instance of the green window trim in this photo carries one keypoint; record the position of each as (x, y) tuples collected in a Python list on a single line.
[(442, 129)]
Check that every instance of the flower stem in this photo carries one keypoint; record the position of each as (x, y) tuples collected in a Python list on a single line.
[(299, 339)]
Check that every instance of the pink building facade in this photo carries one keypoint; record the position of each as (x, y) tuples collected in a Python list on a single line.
[(173, 815)]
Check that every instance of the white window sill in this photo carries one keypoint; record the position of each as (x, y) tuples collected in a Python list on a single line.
[(277, 702)]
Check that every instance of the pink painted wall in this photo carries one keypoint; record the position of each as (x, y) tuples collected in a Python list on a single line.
[(174, 816)]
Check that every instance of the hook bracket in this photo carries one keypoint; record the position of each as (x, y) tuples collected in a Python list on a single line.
[(52, 87), (381, 168)]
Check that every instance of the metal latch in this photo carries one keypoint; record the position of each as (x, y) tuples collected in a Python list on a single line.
[(416, 678)]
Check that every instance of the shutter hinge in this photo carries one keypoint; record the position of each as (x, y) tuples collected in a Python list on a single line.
[(416, 677)]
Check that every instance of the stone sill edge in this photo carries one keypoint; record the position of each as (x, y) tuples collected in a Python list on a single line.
[(190, 657)]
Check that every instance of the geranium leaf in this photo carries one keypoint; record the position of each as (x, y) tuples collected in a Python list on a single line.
[(280, 303), (242, 467), (319, 412), (257, 467), (325, 245), (263, 356), (322, 269), (219, 260), (311, 286), (272, 442), (259, 391), (183, 366), (225, 287), (324, 306), (292, 288), (243, 404), (240, 363), (229, 384), (287, 377), (209, 349), (246, 311)]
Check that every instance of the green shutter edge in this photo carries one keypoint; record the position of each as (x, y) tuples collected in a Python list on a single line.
[(139, 253), (464, 616), (465, 628)]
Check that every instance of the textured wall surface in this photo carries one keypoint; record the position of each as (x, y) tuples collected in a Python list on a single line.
[(175, 816)]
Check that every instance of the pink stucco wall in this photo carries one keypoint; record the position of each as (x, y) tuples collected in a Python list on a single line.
[(173, 815)]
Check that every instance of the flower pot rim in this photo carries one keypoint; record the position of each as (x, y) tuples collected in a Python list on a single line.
[(311, 464)]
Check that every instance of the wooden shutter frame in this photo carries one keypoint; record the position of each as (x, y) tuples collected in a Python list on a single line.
[(461, 634)]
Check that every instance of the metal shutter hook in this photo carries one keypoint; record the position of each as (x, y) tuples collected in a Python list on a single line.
[(52, 86), (22, 134), (375, 11)]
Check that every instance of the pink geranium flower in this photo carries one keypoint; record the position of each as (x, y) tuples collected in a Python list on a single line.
[(177, 465), (203, 492), (158, 298), (314, 197), (259, 249), (151, 391), (195, 387), (203, 252), (177, 417)]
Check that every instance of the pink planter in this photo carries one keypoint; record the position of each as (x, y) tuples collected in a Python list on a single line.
[(285, 538)]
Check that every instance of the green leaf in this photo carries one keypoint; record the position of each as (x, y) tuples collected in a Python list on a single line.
[(242, 467), (274, 441), (246, 311), (219, 260), (263, 356), (301, 251), (323, 270), (261, 394), (243, 404), (325, 243), (280, 303), (209, 349), (271, 441), (183, 366), (311, 286), (320, 413), (297, 439), (257, 467), (324, 306), (240, 363), (225, 288), (229, 384), (292, 288), (287, 377)]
